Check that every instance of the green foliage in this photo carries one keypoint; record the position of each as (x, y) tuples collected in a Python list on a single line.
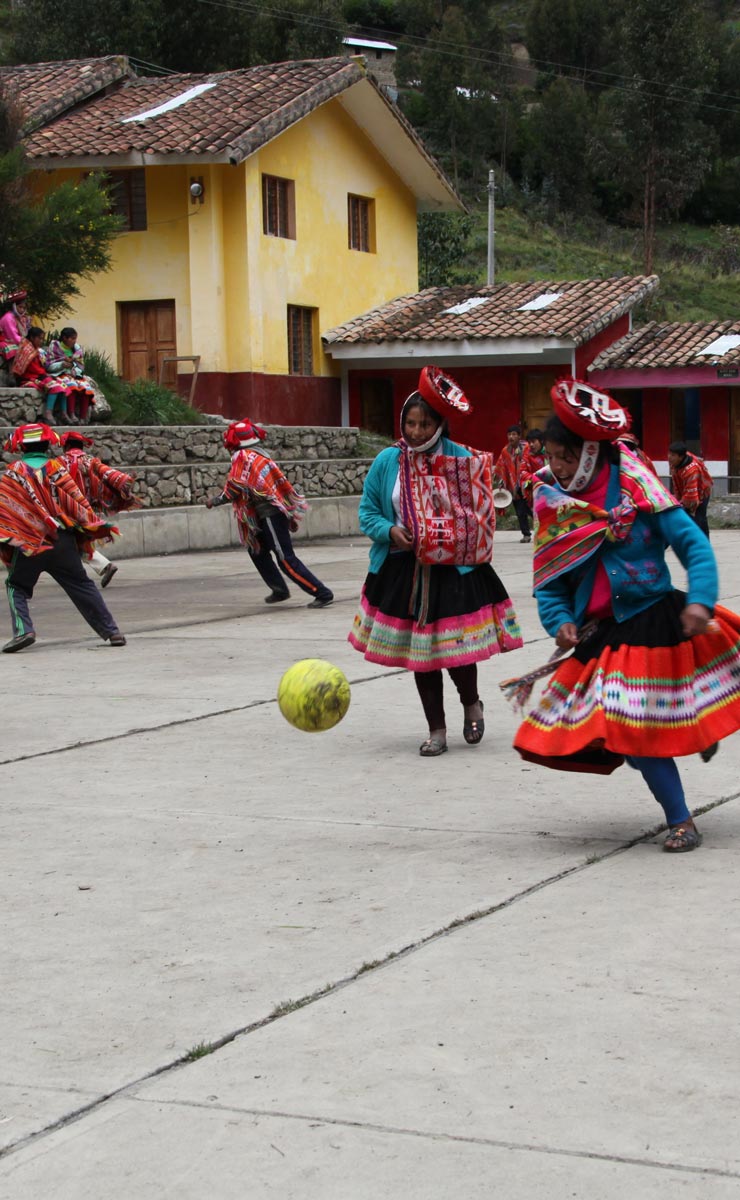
[(142, 402), (48, 243), (443, 241), (180, 37)]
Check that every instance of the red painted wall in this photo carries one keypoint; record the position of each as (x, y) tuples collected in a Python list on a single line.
[(656, 422), (275, 399), (715, 422), (586, 353), (493, 391)]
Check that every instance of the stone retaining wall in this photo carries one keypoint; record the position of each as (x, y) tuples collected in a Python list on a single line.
[(182, 464)]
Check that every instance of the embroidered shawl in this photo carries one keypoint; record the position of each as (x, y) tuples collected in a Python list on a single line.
[(105, 488), (26, 355), (570, 530), (36, 502), (254, 475), (447, 504)]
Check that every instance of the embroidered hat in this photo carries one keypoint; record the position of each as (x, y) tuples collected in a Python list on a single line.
[(442, 393), (593, 415), (243, 433), (16, 297), (73, 436), (25, 437)]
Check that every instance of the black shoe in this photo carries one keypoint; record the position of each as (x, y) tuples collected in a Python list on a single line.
[(276, 597), (117, 639), (107, 574), (525, 539), (320, 603), (19, 643)]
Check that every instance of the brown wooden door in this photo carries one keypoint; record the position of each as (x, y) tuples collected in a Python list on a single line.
[(536, 399), (148, 334)]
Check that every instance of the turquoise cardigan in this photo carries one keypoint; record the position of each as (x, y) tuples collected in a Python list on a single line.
[(377, 515), (636, 568)]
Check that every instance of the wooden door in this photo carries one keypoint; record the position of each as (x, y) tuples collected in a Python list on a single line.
[(148, 334), (536, 400), (376, 406)]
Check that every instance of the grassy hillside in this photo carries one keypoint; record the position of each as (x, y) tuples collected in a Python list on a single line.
[(699, 267)]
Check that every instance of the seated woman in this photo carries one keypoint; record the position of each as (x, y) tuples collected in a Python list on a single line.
[(65, 361), (30, 371), (14, 325)]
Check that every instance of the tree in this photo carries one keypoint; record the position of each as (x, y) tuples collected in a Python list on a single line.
[(559, 132), (443, 242), (654, 143), (48, 242)]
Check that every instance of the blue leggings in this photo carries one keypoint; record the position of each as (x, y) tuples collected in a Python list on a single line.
[(662, 777)]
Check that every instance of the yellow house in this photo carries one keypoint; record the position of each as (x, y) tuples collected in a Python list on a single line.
[(262, 206)]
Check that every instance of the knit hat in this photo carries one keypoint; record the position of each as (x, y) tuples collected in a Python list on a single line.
[(25, 437), (74, 436), (593, 415), (241, 434), (442, 393)]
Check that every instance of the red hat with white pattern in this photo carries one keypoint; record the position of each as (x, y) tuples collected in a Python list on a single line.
[(25, 437), (241, 434), (593, 415)]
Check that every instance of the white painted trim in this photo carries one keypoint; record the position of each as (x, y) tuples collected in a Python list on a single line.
[(717, 467), (555, 350), (356, 41)]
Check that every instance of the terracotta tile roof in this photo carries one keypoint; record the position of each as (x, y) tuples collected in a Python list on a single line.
[(580, 309), (225, 115), (670, 344), (44, 90)]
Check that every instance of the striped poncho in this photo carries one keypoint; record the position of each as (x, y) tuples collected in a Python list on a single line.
[(37, 501)]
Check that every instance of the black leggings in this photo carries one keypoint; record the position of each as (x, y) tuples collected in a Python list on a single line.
[(431, 690)]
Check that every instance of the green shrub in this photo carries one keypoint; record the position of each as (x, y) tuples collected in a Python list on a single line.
[(142, 402)]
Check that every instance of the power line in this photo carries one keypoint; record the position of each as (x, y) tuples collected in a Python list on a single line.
[(453, 49)]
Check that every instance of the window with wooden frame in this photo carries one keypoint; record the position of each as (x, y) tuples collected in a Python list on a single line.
[(361, 223), (301, 325), (278, 206), (127, 190)]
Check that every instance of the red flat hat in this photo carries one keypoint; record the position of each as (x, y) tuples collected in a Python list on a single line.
[(31, 435), (14, 297), (593, 415), (72, 435), (243, 433), (442, 393)]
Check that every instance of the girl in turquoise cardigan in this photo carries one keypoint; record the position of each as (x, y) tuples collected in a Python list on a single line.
[(654, 673), (427, 616)]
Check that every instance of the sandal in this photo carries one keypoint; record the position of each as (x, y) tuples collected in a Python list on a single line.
[(432, 747), (682, 838), (473, 730)]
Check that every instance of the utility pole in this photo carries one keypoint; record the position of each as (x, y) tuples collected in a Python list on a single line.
[(491, 220)]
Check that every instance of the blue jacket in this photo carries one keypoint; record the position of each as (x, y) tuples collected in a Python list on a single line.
[(376, 511), (636, 568)]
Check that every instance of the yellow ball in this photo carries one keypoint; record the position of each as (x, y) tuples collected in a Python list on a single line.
[(313, 695)]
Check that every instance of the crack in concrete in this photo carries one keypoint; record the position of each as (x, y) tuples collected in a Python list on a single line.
[(443, 1136), (84, 743), (287, 1007)]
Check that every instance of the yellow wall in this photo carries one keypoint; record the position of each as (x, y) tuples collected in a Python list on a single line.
[(150, 265), (328, 157), (230, 282)]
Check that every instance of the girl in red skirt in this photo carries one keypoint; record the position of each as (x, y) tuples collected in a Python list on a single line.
[(654, 673)]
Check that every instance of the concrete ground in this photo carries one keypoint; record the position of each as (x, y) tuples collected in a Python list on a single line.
[(243, 961)]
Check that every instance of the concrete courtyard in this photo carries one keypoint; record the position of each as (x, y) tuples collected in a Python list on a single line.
[(240, 961)]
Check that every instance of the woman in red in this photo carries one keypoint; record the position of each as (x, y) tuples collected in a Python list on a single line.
[(30, 371)]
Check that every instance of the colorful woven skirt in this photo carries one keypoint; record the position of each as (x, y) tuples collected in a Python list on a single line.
[(638, 688), (466, 617)]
